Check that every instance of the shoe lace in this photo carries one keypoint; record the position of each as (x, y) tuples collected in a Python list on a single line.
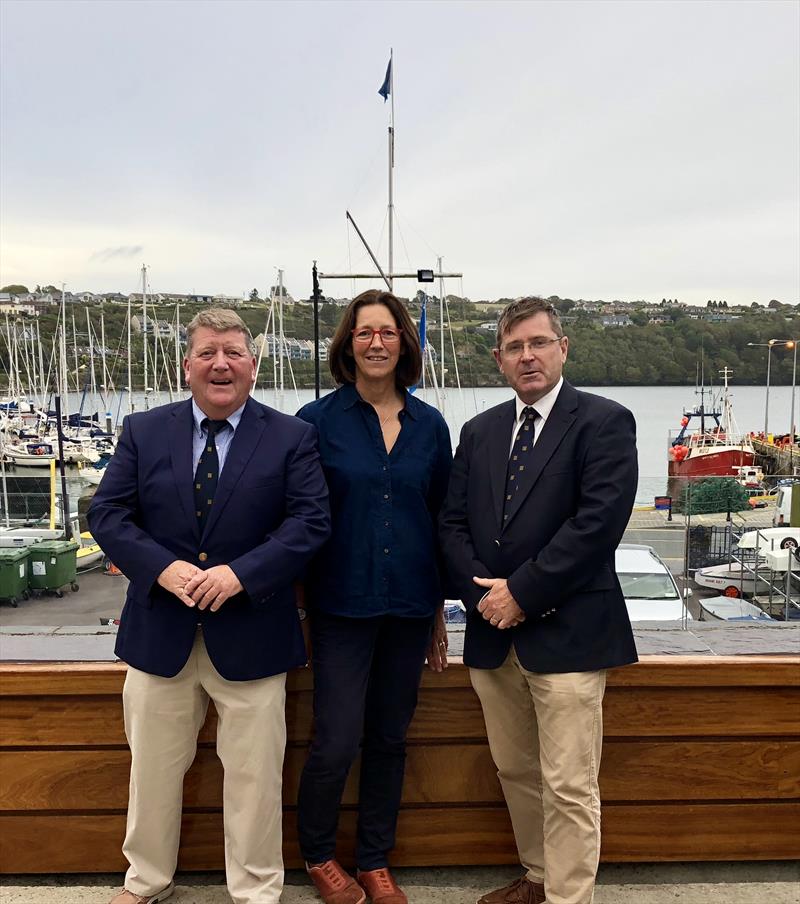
[(384, 879), (332, 873)]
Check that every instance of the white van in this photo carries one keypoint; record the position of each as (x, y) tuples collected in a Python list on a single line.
[(783, 506)]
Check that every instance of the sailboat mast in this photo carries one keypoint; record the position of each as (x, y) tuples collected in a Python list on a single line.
[(178, 374), (106, 381), (130, 376), (280, 332), (391, 173), (75, 353), (91, 354), (441, 324), (144, 328), (63, 350)]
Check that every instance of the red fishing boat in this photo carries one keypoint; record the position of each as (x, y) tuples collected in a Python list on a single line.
[(712, 446)]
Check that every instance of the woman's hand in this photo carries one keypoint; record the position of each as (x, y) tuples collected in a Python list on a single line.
[(437, 651)]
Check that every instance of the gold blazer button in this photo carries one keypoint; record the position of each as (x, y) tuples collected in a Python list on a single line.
[(203, 556)]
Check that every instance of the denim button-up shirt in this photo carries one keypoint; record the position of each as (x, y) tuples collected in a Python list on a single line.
[(382, 557)]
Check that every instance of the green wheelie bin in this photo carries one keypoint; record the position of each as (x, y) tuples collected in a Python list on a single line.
[(53, 565), (14, 570)]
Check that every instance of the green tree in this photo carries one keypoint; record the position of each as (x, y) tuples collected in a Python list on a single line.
[(15, 289)]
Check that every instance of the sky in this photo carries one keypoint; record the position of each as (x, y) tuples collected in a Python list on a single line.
[(633, 150)]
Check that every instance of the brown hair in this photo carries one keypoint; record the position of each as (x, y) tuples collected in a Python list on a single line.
[(340, 355), (523, 308), (220, 320)]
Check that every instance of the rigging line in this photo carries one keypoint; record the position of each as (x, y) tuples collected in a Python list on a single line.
[(418, 233), (405, 247)]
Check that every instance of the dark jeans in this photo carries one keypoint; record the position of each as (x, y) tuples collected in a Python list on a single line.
[(366, 678)]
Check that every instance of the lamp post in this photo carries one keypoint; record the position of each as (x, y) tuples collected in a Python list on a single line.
[(793, 345), (787, 343)]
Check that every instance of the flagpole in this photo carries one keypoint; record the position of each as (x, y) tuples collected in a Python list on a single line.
[(391, 172)]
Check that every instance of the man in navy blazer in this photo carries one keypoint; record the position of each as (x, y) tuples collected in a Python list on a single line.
[(540, 494), (211, 507)]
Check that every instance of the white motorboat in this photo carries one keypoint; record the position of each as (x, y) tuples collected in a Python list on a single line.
[(726, 608), (36, 454)]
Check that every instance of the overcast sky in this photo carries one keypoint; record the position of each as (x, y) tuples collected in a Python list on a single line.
[(585, 149)]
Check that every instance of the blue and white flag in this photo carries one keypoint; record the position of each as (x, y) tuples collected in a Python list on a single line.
[(386, 88)]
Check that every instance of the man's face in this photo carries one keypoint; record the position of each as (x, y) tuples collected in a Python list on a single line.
[(531, 357), (219, 370)]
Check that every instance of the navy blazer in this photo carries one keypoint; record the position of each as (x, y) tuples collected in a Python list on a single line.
[(269, 517), (557, 547)]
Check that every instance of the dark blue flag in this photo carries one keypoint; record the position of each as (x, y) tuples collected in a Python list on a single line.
[(386, 88), (422, 331)]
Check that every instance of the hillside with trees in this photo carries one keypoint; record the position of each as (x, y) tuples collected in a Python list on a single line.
[(642, 353)]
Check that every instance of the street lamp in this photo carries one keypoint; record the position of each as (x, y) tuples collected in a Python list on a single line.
[(786, 343), (793, 345)]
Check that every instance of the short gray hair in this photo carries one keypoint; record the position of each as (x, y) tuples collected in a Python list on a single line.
[(220, 320), (523, 308)]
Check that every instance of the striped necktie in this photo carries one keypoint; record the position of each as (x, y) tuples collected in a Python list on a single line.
[(520, 455), (207, 473)]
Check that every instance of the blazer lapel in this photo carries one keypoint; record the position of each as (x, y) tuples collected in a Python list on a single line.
[(243, 445), (558, 422), (180, 429), (499, 446)]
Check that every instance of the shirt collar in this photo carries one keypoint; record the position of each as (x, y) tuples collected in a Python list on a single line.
[(349, 395), (544, 406), (198, 415)]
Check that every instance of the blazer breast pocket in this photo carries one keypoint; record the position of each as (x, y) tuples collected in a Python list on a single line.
[(556, 468), (256, 483)]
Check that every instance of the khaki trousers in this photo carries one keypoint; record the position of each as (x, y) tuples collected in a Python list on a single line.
[(162, 719), (546, 734)]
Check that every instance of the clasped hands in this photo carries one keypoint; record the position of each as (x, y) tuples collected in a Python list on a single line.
[(197, 588), (497, 605)]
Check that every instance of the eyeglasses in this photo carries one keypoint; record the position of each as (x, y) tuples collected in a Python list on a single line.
[(515, 349), (366, 334)]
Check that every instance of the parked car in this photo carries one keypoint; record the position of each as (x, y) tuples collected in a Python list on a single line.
[(651, 593)]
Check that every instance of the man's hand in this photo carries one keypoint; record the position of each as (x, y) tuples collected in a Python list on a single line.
[(210, 588), (175, 577), (498, 606)]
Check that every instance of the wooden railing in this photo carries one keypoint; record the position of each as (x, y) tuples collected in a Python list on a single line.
[(701, 762)]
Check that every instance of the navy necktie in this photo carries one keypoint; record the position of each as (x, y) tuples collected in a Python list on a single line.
[(207, 473), (520, 455)]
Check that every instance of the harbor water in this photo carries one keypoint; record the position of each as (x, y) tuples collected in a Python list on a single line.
[(657, 409)]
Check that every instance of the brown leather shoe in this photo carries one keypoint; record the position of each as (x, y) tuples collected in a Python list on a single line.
[(334, 885), (128, 897), (521, 891), (381, 887)]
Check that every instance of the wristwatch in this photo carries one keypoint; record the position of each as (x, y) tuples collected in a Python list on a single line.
[(301, 613)]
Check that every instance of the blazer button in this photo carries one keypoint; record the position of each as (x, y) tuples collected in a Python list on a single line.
[(496, 542), (203, 556)]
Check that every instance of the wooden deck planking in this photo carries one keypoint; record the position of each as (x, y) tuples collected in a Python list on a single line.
[(701, 762)]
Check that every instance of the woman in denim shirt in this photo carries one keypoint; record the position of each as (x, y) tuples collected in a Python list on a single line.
[(374, 593)]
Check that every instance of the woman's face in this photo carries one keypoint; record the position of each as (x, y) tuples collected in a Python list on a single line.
[(375, 356)]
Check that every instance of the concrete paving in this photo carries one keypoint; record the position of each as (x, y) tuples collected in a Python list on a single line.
[(694, 883)]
